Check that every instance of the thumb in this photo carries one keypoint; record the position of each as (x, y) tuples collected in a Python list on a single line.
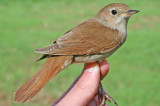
[(85, 88)]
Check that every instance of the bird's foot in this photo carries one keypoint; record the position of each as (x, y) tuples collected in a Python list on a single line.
[(103, 96)]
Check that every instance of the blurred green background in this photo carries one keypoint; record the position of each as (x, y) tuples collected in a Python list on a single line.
[(134, 77)]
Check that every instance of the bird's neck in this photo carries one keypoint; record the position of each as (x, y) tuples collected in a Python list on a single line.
[(120, 25)]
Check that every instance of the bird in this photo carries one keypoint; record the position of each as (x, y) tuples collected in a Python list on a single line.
[(91, 41)]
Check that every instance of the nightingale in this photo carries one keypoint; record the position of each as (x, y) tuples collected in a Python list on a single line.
[(91, 41)]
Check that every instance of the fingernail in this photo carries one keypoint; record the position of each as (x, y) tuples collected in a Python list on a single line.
[(92, 68)]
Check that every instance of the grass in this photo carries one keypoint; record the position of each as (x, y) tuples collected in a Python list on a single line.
[(26, 25)]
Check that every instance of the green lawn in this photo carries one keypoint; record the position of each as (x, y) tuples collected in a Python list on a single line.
[(134, 77)]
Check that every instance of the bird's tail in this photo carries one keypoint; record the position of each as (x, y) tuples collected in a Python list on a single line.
[(51, 67)]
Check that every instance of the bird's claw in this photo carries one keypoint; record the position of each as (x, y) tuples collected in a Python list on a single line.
[(103, 96)]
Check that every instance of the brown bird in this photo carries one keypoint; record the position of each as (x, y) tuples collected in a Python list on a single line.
[(93, 40)]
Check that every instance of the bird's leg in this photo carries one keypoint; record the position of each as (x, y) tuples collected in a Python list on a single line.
[(100, 97), (103, 96)]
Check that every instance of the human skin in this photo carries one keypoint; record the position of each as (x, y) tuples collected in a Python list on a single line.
[(83, 91)]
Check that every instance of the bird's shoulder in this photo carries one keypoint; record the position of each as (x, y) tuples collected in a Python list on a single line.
[(88, 30)]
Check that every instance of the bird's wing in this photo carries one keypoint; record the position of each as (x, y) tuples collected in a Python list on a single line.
[(89, 37)]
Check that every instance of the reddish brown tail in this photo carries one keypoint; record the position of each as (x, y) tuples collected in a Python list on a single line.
[(50, 68)]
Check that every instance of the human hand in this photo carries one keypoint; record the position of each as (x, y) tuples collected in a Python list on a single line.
[(83, 91)]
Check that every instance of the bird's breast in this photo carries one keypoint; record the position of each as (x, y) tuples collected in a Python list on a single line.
[(92, 57)]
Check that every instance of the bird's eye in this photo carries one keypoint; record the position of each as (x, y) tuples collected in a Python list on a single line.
[(114, 12)]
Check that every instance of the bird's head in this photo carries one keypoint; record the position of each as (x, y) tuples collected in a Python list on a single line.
[(115, 16)]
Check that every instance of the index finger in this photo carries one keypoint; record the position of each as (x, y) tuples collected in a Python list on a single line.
[(104, 66)]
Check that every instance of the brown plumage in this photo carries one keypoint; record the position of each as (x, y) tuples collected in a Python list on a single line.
[(79, 41), (51, 67), (93, 40)]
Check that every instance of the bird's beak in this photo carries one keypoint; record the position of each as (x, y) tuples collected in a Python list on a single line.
[(131, 12)]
